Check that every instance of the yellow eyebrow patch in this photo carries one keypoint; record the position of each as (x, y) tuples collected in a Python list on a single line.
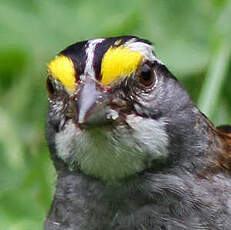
[(63, 69), (117, 62)]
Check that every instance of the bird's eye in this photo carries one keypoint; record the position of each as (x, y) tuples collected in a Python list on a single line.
[(146, 76), (51, 88)]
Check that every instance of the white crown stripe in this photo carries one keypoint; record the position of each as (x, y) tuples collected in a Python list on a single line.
[(90, 50), (145, 49)]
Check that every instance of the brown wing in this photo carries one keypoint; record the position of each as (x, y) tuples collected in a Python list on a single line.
[(224, 156), (225, 129)]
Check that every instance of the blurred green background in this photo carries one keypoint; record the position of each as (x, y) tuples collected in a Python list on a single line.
[(192, 38)]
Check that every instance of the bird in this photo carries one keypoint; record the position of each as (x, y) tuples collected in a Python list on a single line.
[(131, 149)]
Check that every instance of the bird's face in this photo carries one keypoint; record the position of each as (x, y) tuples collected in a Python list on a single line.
[(110, 101)]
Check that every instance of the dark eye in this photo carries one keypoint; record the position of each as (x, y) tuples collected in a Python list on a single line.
[(146, 76), (51, 88)]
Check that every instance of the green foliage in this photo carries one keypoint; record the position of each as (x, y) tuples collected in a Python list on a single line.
[(191, 37)]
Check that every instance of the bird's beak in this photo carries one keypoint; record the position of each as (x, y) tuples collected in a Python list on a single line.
[(91, 104)]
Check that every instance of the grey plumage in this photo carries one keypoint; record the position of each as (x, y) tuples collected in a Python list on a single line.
[(170, 173)]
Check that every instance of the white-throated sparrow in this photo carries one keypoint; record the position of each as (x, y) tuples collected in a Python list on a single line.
[(131, 150)]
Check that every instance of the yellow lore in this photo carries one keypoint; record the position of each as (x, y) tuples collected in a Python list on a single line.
[(62, 68), (118, 62)]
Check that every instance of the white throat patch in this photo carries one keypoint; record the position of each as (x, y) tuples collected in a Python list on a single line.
[(116, 152)]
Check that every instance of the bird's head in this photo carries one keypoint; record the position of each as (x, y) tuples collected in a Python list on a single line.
[(115, 110)]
